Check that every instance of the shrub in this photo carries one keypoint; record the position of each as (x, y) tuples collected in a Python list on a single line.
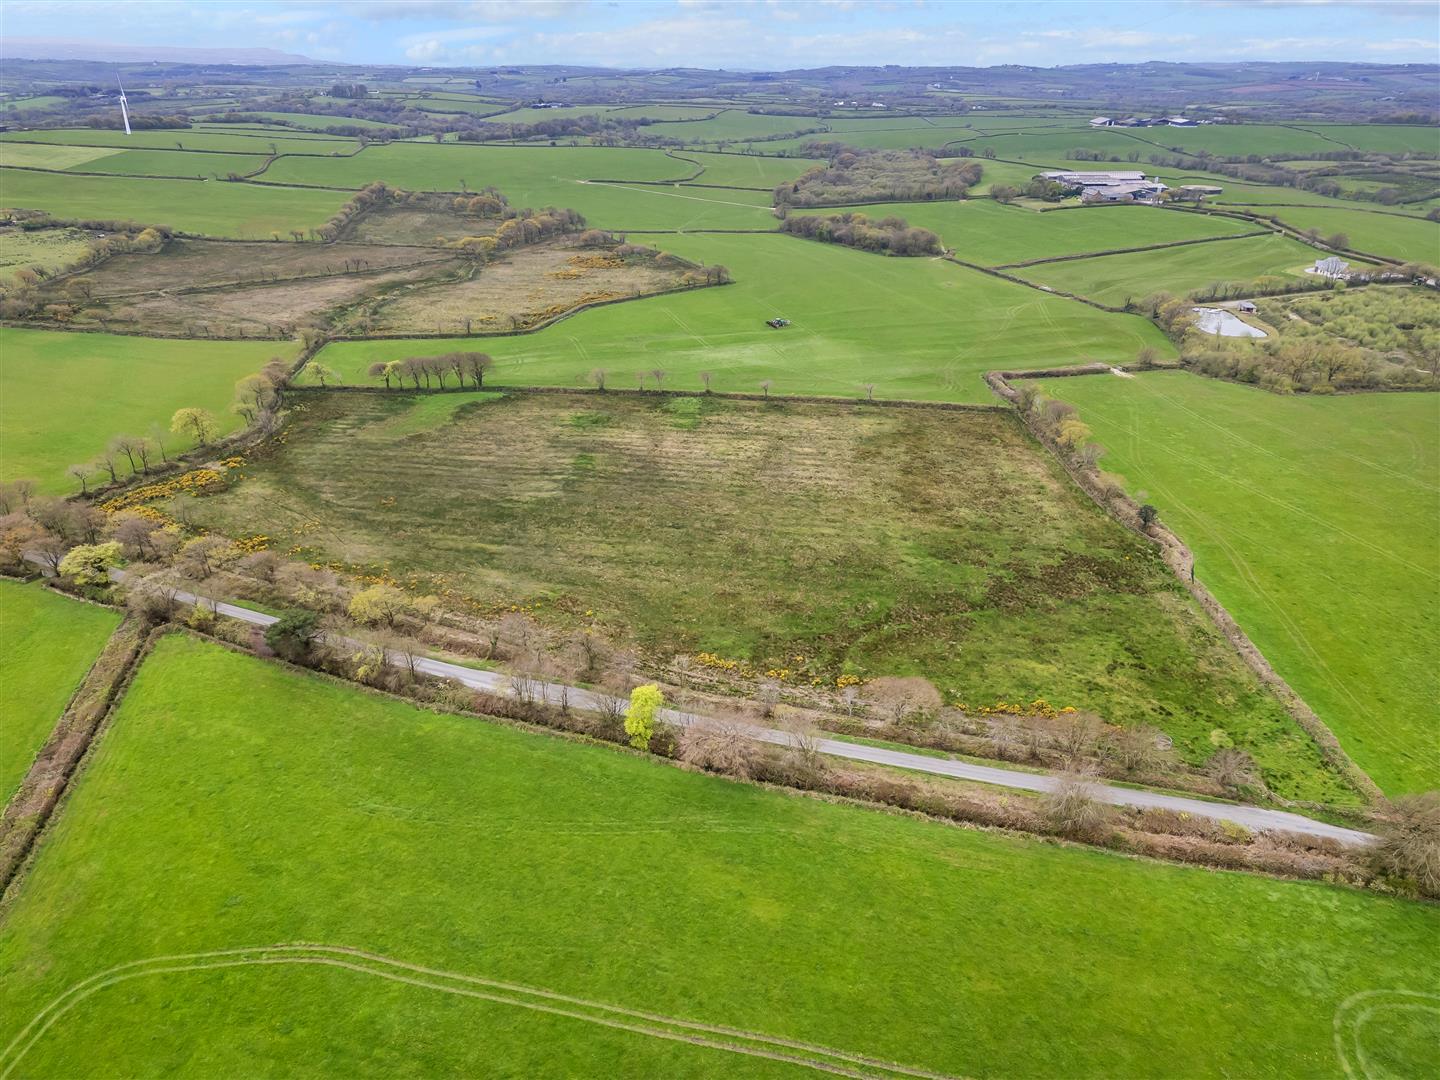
[(1071, 808), (90, 564), (293, 635), (640, 716), (1410, 842), (721, 747)]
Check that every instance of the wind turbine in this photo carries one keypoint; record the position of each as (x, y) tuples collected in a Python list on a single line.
[(124, 109)]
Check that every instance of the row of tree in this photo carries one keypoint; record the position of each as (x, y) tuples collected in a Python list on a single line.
[(432, 370)]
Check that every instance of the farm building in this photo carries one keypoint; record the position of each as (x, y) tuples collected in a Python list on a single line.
[(1118, 186), (1179, 121), (1247, 306), (1102, 121), (1202, 189)]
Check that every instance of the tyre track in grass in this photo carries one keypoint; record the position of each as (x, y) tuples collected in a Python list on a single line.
[(807, 1055)]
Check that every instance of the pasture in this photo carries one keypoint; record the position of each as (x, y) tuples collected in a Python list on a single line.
[(53, 155), (197, 164), (915, 328), (496, 854), (49, 641), (202, 207), (988, 233), (219, 139), (866, 541), (591, 180), (1116, 279), (1313, 521), (63, 396)]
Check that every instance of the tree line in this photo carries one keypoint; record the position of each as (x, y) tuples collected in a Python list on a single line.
[(850, 175), (889, 235)]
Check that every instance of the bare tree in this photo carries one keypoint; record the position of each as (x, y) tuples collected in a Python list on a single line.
[(597, 378), (869, 391), (705, 378), (81, 472), (719, 745), (1079, 736), (1409, 846), (1136, 750), (658, 374), (765, 386), (1071, 807), (912, 697), (126, 444), (803, 759), (1232, 769), (107, 460)]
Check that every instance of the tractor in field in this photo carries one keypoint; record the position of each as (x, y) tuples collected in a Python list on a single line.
[(777, 324)]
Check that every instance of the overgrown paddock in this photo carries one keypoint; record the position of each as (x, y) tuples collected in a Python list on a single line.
[(804, 540)]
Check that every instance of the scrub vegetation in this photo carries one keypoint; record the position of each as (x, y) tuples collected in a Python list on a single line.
[(822, 539)]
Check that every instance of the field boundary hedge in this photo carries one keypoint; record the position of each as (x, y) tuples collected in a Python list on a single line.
[(1132, 250), (66, 749), (1038, 288), (1181, 561), (734, 395)]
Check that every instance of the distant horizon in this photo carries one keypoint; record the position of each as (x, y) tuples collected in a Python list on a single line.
[(755, 36), (90, 51)]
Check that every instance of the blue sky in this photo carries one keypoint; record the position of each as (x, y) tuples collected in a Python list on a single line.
[(764, 34)]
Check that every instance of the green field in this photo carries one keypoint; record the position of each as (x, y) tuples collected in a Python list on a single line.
[(48, 643), (1373, 233), (746, 170), (1114, 279), (262, 806), (870, 542), (208, 208), (916, 328), (319, 121), (1313, 520), (986, 232), (63, 396), (172, 163), (53, 155), (216, 138), (547, 176)]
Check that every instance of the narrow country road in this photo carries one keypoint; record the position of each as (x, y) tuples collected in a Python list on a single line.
[(1252, 817)]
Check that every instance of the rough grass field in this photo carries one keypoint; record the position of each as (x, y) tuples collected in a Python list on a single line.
[(916, 328), (185, 264), (469, 847), (49, 642), (208, 207), (1115, 279), (988, 233), (525, 287), (1313, 520), (63, 396), (866, 541), (47, 248)]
